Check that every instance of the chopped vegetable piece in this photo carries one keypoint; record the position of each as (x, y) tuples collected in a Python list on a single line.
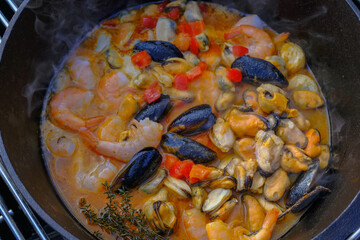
[(152, 93), (196, 71), (199, 172), (234, 75), (186, 167), (110, 23), (239, 51), (194, 46), (174, 13), (203, 7), (169, 161), (141, 59), (148, 22), (175, 170), (192, 28), (182, 41), (162, 5), (181, 82)]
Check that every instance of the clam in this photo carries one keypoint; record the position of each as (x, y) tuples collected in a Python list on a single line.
[(254, 213), (161, 216), (192, 12), (294, 56), (256, 71), (276, 185), (294, 159), (198, 197), (215, 199), (182, 95), (274, 99), (222, 136), (268, 150), (193, 121), (304, 99), (226, 182), (224, 211), (159, 51), (114, 58), (185, 148), (155, 183), (178, 186), (155, 110), (291, 134), (302, 82), (302, 184), (140, 168), (165, 29)]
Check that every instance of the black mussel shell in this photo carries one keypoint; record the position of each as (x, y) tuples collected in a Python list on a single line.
[(140, 168), (155, 110), (257, 71), (159, 51), (193, 121), (308, 199), (302, 184), (185, 148)]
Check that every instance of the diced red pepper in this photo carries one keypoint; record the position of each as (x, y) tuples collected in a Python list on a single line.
[(148, 22), (198, 172), (110, 23), (162, 5), (239, 51), (186, 167), (174, 13), (194, 46), (152, 93), (141, 59), (181, 82), (175, 170), (233, 75), (203, 7), (169, 161), (196, 71), (192, 28)]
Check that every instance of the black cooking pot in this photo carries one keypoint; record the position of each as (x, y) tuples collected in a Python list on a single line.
[(39, 37)]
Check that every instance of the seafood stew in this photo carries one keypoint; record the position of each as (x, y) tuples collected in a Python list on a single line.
[(209, 119)]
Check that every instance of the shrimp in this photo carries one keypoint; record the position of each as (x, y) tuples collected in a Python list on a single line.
[(262, 44), (218, 230), (111, 86), (66, 102), (195, 222), (82, 73), (145, 133)]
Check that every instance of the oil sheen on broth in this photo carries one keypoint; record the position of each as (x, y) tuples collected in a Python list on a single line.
[(235, 95)]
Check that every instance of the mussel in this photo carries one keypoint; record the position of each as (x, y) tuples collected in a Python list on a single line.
[(294, 159), (302, 184), (254, 213), (216, 198), (193, 121), (199, 195), (161, 216), (165, 29), (159, 51), (178, 186), (276, 185), (185, 148), (256, 71), (268, 149), (291, 134), (154, 183), (246, 124), (155, 110), (225, 210), (140, 168), (192, 12), (222, 136)]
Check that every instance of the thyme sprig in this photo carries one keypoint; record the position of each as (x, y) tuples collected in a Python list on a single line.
[(119, 217)]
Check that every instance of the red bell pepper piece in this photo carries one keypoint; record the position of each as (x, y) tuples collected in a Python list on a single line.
[(203, 7), (198, 172), (148, 22), (162, 5), (141, 59), (152, 93), (233, 75), (110, 23), (192, 28), (239, 51), (170, 160), (181, 169), (174, 13), (181, 82), (196, 71), (194, 46), (175, 170)]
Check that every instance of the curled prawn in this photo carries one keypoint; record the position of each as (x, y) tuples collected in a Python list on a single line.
[(145, 133), (218, 230), (70, 100), (82, 72), (262, 44)]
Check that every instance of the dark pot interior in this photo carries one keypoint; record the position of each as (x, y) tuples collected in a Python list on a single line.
[(40, 37)]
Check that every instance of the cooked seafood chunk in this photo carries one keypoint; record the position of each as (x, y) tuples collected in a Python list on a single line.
[(294, 159), (222, 135), (276, 185)]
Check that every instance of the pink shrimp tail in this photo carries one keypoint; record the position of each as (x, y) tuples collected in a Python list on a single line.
[(88, 137), (94, 121)]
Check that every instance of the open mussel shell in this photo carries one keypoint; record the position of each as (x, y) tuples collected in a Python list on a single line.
[(302, 184), (178, 186), (155, 110), (185, 148), (155, 183), (256, 71), (159, 51), (199, 195), (216, 198), (226, 182), (225, 210), (140, 168), (162, 216), (193, 121)]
